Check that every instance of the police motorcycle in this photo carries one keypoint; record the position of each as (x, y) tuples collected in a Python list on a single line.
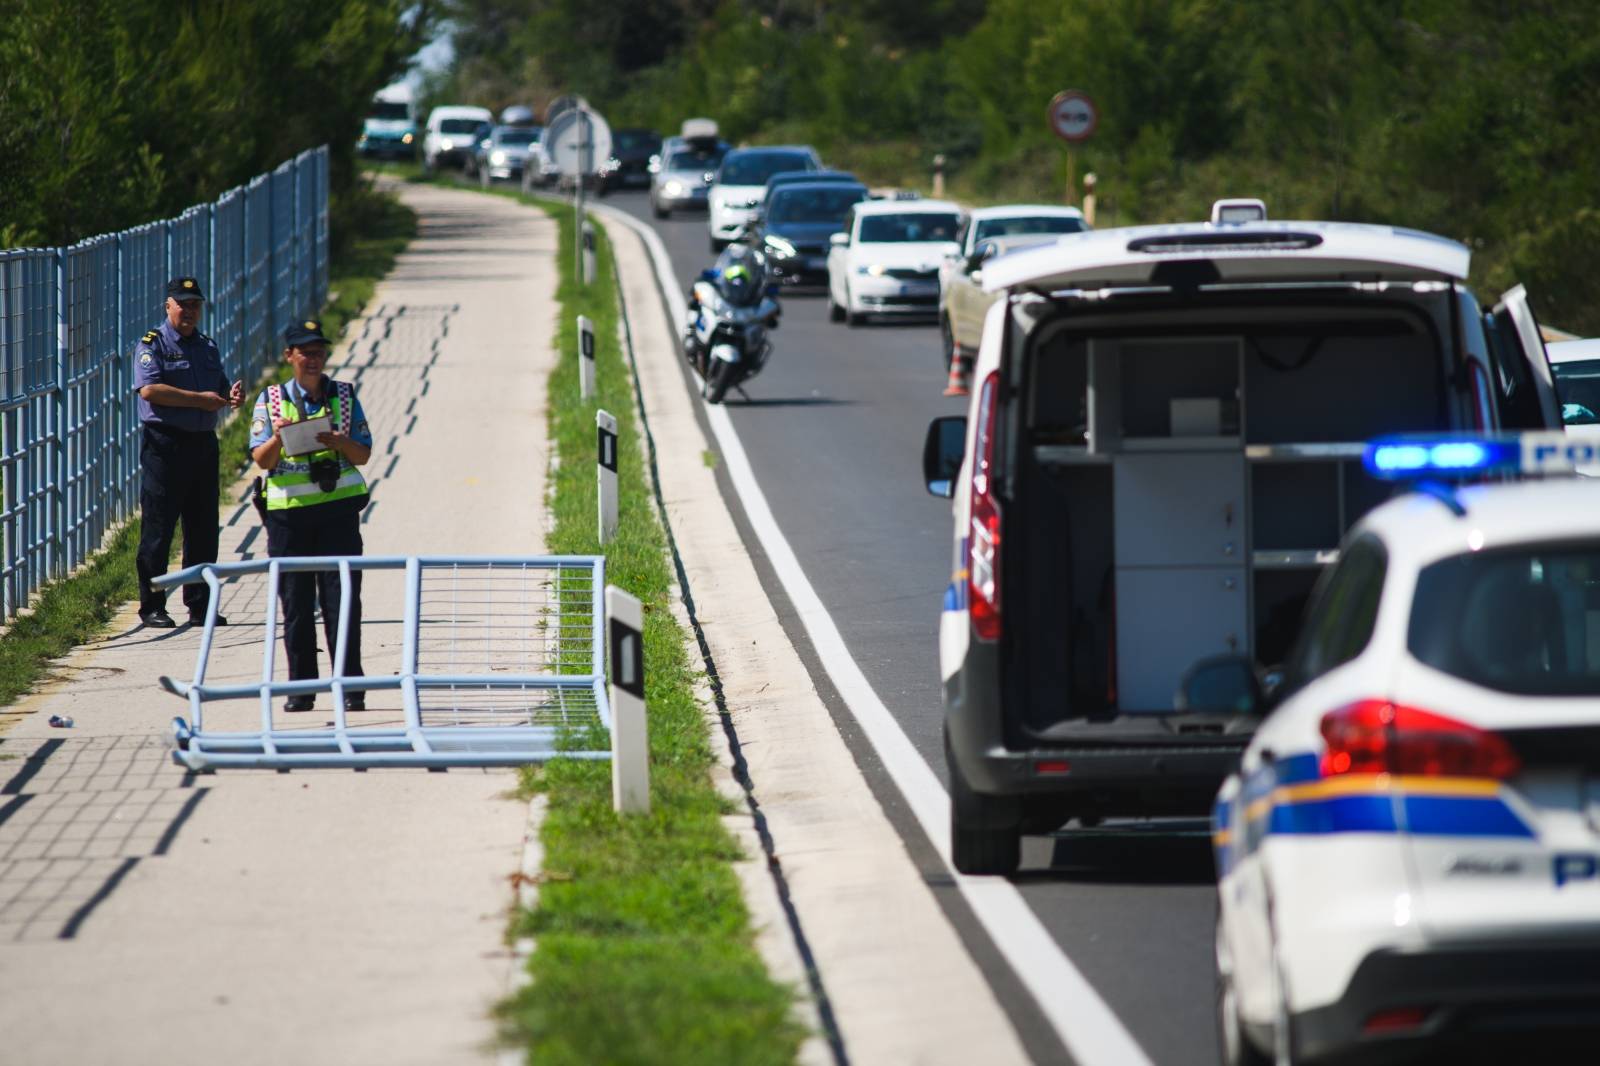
[(732, 309)]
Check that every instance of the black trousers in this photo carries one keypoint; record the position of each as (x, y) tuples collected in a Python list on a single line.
[(325, 529), (179, 483)]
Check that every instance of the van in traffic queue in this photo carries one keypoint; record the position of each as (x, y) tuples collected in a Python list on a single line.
[(1161, 455)]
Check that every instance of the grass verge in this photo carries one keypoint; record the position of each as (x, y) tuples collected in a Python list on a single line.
[(65, 614), (645, 953)]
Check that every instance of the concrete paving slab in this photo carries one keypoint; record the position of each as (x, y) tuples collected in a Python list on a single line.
[(152, 916)]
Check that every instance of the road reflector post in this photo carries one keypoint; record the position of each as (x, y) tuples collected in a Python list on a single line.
[(606, 470), (588, 252), (630, 732), (585, 356)]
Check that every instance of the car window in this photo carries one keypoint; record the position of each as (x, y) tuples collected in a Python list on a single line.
[(756, 168), (1343, 612), (1578, 386), (1523, 620), (391, 111), (814, 205), (1013, 227), (901, 229), (689, 159), (459, 125), (633, 140), (517, 136)]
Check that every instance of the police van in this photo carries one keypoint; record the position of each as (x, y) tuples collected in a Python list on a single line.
[(1161, 454)]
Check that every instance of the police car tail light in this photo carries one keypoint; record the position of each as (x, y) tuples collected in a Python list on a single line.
[(1379, 737), (983, 553)]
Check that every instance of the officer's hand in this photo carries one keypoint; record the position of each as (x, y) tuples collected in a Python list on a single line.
[(210, 401), (278, 424), (236, 394)]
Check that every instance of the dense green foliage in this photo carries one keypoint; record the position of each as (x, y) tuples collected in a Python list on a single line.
[(1476, 119), (118, 112)]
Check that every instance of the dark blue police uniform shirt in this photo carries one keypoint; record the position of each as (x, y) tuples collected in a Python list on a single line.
[(165, 357)]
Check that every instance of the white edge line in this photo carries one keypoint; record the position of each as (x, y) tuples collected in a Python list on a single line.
[(1085, 1023)]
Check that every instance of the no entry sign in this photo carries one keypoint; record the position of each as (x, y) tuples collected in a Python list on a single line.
[(1073, 116)]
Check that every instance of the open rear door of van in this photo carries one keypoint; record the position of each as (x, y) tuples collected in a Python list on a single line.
[(1516, 335)]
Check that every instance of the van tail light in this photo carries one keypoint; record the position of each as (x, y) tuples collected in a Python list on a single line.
[(983, 541), (1395, 1021), (1379, 737)]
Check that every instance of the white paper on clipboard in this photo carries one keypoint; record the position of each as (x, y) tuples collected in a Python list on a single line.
[(301, 437)]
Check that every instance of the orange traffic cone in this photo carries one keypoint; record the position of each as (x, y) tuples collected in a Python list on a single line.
[(957, 385)]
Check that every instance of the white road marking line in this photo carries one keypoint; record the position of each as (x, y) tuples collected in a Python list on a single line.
[(1085, 1023)]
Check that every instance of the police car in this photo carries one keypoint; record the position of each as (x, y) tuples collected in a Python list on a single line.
[(1408, 856)]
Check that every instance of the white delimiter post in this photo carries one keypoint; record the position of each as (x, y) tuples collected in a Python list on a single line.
[(630, 731), (585, 356), (606, 470), (589, 265)]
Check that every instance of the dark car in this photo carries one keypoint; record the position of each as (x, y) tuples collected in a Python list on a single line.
[(796, 222), (789, 177), (629, 165)]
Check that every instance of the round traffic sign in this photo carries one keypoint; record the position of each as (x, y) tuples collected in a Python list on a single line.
[(1073, 116), (577, 141)]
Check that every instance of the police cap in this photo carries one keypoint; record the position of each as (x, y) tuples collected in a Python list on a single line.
[(185, 289), (306, 331)]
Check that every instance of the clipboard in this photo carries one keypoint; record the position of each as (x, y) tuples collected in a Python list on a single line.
[(299, 438)]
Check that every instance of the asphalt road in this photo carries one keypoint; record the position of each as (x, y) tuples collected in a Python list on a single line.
[(834, 428)]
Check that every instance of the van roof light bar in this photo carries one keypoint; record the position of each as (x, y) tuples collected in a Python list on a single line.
[(1457, 457)]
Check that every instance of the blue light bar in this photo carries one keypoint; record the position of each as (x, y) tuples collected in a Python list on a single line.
[(1443, 458)]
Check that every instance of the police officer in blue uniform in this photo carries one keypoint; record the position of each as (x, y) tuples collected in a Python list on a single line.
[(313, 501), (177, 372)]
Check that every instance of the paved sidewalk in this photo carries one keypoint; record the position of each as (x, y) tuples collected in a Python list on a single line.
[(149, 916)]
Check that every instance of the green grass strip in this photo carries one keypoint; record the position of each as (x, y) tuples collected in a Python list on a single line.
[(645, 953), (67, 613)]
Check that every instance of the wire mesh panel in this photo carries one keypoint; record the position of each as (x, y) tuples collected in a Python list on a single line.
[(320, 159), (259, 324), (29, 333), (89, 396), (143, 289), (481, 662), (283, 297), (191, 244), (225, 311), (305, 236)]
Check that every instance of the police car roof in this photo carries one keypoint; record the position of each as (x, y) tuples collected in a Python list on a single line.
[(1573, 351), (1418, 529), (983, 214), (1251, 252), (906, 207)]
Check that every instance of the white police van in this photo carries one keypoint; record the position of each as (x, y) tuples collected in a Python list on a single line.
[(1161, 455), (1409, 854)]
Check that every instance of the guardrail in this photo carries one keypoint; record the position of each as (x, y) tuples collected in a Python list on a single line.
[(69, 318)]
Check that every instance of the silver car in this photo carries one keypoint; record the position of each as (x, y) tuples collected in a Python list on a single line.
[(504, 153), (684, 176)]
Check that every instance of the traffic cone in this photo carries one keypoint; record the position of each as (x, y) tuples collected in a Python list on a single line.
[(957, 385)]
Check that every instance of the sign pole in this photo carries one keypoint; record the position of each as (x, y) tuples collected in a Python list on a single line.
[(606, 471), (630, 730), (1072, 177), (1073, 117), (583, 172)]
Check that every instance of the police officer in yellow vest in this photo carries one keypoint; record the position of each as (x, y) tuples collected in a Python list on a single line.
[(313, 500)]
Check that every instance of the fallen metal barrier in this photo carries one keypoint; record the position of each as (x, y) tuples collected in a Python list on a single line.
[(501, 663)]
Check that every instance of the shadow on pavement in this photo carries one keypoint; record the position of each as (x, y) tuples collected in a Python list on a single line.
[(1142, 856)]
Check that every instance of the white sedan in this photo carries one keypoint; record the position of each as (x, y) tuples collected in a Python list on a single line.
[(1408, 857), (887, 259)]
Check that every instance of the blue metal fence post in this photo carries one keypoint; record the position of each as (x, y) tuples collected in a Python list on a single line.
[(58, 418)]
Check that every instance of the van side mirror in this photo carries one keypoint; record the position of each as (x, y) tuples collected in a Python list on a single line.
[(839, 240), (942, 452), (1223, 684)]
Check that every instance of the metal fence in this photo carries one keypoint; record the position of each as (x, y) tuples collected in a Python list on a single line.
[(69, 320)]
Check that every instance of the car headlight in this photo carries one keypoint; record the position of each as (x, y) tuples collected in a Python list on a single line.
[(447, 144), (406, 138), (497, 158), (877, 270), (673, 188), (779, 247)]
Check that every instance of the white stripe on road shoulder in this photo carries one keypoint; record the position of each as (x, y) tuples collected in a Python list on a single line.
[(1087, 1026)]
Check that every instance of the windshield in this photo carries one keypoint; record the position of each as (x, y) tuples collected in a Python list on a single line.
[(1015, 227), (389, 111), (1521, 620), (518, 136), (756, 168), (814, 205), (693, 160), (1578, 385), (900, 229), (459, 125), (634, 140)]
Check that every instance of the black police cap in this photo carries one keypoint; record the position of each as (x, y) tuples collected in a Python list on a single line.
[(306, 331), (185, 289)]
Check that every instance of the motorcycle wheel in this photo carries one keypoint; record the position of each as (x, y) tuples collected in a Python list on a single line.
[(720, 381)]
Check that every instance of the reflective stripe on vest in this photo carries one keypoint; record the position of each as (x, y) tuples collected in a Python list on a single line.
[(289, 485)]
